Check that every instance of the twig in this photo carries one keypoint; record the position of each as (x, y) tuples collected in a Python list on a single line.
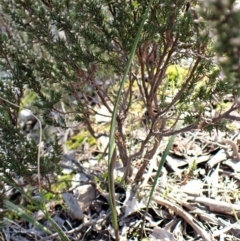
[(233, 146), (186, 216), (224, 230), (217, 206), (152, 165)]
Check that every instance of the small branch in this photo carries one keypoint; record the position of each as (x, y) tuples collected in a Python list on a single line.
[(217, 206), (183, 89), (232, 117), (170, 133), (233, 146), (204, 124), (185, 215)]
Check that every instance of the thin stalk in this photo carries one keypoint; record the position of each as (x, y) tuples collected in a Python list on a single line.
[(111, 186)]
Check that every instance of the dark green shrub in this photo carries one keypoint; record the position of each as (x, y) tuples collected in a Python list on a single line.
[(67, 52)]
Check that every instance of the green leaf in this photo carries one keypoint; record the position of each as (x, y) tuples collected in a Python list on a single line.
[(20, 212)]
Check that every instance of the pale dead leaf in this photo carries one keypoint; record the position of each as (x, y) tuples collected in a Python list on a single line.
[(213, 182), (103, 115), (235, 165), (85, 195), (67, 163), (38, 215), (161, 234), (132, 204), (139, 134), (219, 157), (102, 143), (73, 206), (77, 178), (193, 187)]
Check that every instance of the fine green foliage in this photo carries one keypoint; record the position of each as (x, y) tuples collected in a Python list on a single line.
[(58, 50), (75, 141)]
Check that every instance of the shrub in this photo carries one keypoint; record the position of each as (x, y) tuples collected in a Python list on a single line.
[(71, 55)]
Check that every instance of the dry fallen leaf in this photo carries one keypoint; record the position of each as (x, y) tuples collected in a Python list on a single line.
[(73, 206), (132, 204), (85, 195), (193, 187), (161, 234)]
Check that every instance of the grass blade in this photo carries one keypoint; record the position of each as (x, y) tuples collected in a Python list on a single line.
[(20, 212), (165, 153)]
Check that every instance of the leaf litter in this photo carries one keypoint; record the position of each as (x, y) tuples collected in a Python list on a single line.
[(197, 196)]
